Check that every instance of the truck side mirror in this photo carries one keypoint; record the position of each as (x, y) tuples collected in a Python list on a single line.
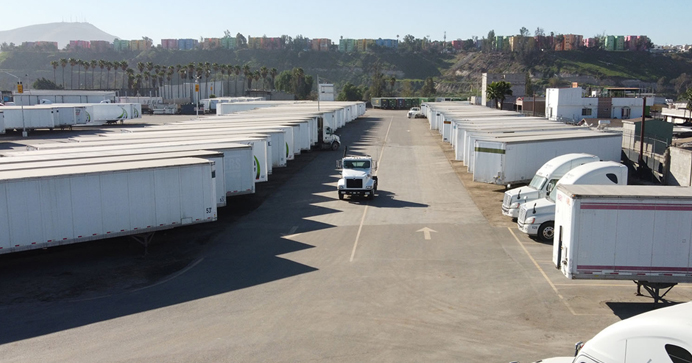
[(338, 164), (374, 165)]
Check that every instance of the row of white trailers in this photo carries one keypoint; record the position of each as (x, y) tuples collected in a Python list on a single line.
[(141, 180), (504, 147), (61, 116)]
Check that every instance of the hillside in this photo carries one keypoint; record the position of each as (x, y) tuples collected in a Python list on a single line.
[(56, 32), (457, 75)]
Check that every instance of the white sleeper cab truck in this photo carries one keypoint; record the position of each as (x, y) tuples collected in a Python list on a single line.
[(538, 218), (661, 335), (326, 138), (548, 174), (357, 176)]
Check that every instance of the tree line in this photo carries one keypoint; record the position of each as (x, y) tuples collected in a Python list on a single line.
[(146, 75)]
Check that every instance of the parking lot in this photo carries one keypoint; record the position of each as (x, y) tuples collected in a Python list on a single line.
[(294, 274)]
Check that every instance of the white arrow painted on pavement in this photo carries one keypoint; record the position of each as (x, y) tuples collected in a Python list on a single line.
[(426, 232)]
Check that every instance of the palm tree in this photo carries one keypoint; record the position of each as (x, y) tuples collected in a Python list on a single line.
[(55, 65), (124, 66), (93, 65), (146, 77), (130, 78), (236, 70), (263, 72), (246, 72), (182, 74), (256, 76), (63, 64), (392, 82), (273, 73), (169, 78), (102, 64), (140, 67), (72, 62), (115, 65), (162, 77), (86, 65), (223, 69)]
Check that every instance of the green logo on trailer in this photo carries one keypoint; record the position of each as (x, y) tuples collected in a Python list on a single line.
[(286, 150), (257, 169)]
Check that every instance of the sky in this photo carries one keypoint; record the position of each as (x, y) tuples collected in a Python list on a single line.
[(664, 22)]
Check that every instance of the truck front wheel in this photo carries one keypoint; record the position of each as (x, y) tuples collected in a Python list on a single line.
[(341, 196), (335, 146), (546, 231)]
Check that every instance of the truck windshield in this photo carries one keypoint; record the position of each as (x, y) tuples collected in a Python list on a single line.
[(356, 164), (537, 182), (553, 190)]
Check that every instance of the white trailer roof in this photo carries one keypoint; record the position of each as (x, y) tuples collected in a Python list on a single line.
[(203, 144), (110, 159), (547, 136), (626, 191), (140, 141), (97, 168)]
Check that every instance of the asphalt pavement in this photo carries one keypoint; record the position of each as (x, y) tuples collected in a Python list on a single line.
[(416, 275)]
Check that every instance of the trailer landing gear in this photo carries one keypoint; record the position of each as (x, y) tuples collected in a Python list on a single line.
[(144, 239), (654, 289)]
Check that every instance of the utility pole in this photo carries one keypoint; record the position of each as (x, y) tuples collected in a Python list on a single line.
[(641, 138)]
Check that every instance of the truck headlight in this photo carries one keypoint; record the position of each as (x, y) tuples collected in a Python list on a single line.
[(368, 187), (341, 187), (514, 205), (529, 220)]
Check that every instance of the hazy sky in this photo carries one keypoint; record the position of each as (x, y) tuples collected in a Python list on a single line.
[(665, 22)]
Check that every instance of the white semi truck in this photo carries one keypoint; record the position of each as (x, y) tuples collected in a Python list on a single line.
[(636, 232), (357, 176), (538, 218), (548, 174), (661, 335)]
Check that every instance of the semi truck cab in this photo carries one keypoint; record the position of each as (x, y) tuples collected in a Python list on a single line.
[(357, 176)]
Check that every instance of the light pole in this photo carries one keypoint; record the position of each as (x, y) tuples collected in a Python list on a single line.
[(19, 82), (197, 96)]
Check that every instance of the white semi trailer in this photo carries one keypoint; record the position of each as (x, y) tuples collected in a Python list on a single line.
[(42, 208), (238, 166), (635, 232), (514, 160)]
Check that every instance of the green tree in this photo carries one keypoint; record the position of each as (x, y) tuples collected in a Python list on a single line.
[(102, 65), (93, 63), (528, 88), (272, 73), (392, 83), (687, 96), (498, 91), (43, 83), (124, 65), (406, 88), (350, 93), (428, 89), (264, 71)]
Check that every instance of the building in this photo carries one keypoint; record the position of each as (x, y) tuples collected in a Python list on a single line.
[(40, 45), (100, 46), (211, 43), (120, 45), (320, 44), (457, 44), (569, 104), (590, 42), (347, 45), (387, 43), (79, 44), (187, 44), (228, 43), (518, 81), (326, 92), (362, 45), (170, 44)]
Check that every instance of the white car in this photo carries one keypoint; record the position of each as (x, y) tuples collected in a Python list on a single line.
[(414, 112)]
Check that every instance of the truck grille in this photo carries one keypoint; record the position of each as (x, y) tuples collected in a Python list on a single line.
[(522, 215), (354, 183), (506, 201)]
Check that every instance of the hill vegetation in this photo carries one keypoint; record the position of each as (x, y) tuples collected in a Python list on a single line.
[(453, 74)]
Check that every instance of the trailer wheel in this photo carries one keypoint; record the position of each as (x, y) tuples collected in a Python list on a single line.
[(335, 146), (546, 232)]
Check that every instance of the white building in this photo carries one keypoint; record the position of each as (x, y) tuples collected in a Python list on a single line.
[(569, 104), (326, 92), (518, 81)]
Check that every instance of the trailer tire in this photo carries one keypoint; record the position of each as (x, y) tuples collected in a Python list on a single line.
[(546, 231), (335, 146)]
